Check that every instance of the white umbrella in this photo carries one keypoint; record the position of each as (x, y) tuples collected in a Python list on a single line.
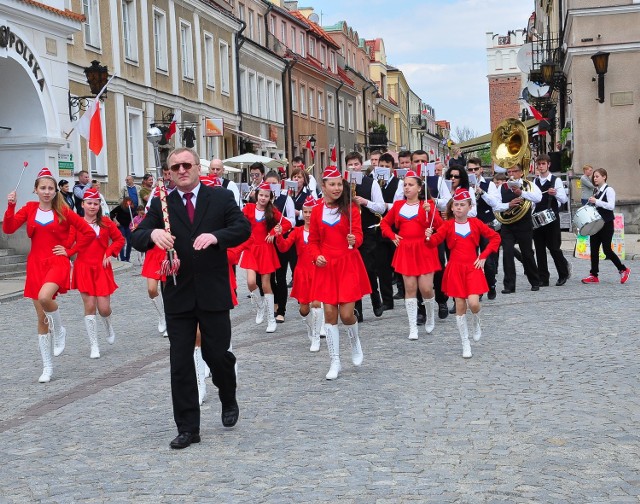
[(231, 169), (244, 160)]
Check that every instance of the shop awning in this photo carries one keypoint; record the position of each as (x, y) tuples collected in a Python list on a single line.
[(474, 143), (264, 143)]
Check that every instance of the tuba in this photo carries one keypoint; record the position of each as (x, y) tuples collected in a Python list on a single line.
[(510, 147)]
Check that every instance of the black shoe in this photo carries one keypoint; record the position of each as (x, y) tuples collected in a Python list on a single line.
[(492, 293), (508, 291), (443, 311), (377, 310), (358, 316), (230, 414), (544, 284), (183, 440), (385, 307), (535, 287), (421, 319), (290, 284), (561, 281), (398, 295)]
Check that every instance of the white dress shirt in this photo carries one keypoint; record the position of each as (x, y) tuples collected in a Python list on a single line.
[(535, 196), (561, 194)]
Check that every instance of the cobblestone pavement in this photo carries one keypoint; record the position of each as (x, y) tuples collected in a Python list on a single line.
[(547, 410)]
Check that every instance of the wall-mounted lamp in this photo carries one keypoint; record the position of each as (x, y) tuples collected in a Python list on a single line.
[(97, 77), (601, 64), (311, 141)]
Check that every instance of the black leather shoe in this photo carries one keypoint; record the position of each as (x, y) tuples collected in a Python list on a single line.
[(358, 316), (561, 281), (508, 291), (452, 310), (230, 414), (443, 311), (544, 284), (398, 295), (377, 310), (492, 293), (421, 319), (183, 440), (385, 307), (535, 287)]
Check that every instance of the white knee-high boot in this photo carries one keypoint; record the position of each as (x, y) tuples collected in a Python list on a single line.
[(260, 305), (461, 320), (476, 330), (111, 335), (411, 304), (318, 323), (92, 333), (200, 374), (430, 308), (44, 342), (159, 306), (333, 344), (271, 318), (354, 340), (56, 330), (322, 331)]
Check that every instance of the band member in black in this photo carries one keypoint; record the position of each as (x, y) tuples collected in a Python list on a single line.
[(512, 195), (549, 236)]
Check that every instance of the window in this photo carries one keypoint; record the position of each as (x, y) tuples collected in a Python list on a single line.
[(241, 12), (323, 55), (350, 115), (303, 44), (359, 114), (303, 99), (332, 61), (320, 106), (271, 101), (312, 103), (250, 23), (253, 94), (260, 34), (91, 23), (331, 118), (224, 67), (135, 146), (272, 25), (244, 95), (209, 60), (262, 97), (186, 50), (294, 96), (293, 39), (278, 102), (129, 30), (312, 46), (283, 33), (160, 39), (341, 112)]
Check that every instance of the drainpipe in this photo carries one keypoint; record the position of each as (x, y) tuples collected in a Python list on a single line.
[(266, 26), (364, 113), (288, 124), (339, 148), (239, 43)]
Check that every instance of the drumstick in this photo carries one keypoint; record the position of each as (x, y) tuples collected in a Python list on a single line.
[(285, 205), (435, 206), (350, 210), (24, 165)]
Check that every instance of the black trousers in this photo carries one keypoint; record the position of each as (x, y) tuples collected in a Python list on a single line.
[(443, 253), (279, 281), (491, 264), (550, 237), (519, 233), (375, 256), (215, 330), (603, 237)]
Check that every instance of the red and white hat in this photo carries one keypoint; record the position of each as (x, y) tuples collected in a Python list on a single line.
[(461, 194), (264, 187), (331, 172), (411, 173), (310, 202), (91, 194), (45, 172)]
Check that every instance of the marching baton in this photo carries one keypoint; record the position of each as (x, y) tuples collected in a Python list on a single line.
[(24, 165)]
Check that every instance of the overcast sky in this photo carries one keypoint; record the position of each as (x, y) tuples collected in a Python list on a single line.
[(438, 44)]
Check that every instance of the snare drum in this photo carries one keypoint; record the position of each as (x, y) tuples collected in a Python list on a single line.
[(543, 218), (588, 220)]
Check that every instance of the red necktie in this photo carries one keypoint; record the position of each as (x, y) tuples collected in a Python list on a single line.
[(189, 206)]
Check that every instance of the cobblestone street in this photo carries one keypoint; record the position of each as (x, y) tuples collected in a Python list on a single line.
[(547, 410)]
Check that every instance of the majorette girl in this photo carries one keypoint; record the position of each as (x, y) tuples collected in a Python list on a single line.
[(310, 309), (335, 233), (464, 276), (413, 259), (48, 268), (92, 272)]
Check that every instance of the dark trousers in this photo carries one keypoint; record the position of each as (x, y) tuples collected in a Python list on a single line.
[(125, 252), (519, 233), (550, 237), (384, 256), (215, 330), (491, 264), (603, 237), (279, 281), (368, 253), (441, 297)]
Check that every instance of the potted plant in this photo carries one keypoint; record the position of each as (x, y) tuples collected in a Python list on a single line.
[(377, 135)]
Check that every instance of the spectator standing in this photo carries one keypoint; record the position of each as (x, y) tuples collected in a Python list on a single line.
[(78, 190)]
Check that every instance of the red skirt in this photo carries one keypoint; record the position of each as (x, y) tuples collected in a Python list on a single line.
[(93, 279), (414, 258), (462, 280), (54, 269), (151, 266), (343, 280), (303, 283), (261, 258)]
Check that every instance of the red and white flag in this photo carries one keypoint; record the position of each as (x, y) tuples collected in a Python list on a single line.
[(532, 110), (90, 127), (171, 131), (334, 154), (310, 148)]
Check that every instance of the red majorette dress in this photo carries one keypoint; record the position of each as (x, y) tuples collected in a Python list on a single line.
[(344, 278), (412, 256), (305, 269), (46, 231), (461, 278), (259, 255), (89, 275)]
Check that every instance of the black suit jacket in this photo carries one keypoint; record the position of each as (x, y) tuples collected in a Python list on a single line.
[(203, 277)]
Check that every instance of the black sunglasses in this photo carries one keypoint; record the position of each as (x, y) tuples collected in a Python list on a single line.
[(176, 167), (455, 176)]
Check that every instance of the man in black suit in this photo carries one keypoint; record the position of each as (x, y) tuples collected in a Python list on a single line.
[(204, 222)]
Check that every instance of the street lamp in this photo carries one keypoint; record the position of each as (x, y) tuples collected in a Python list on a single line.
[(155, 135), (601, 64), (97, 77)]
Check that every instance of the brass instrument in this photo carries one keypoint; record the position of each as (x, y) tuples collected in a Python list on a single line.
[(510, 147)]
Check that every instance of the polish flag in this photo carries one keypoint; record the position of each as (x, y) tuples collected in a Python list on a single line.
[(90, 127), (309, 147), (532, 110), (171, 131), (334, 154)]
